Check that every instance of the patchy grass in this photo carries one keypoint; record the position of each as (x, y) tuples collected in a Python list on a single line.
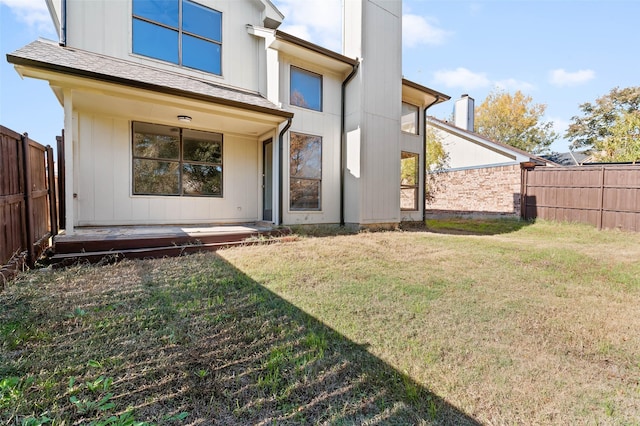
[(475, 226), (536, 325)]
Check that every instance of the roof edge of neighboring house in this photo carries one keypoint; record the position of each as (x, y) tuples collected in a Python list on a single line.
[(17, 59), (451, 127)]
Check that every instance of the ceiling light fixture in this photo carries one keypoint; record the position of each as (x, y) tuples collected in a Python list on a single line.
[(184, 118)]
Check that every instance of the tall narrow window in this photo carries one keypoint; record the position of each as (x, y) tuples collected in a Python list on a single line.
[(182, 32), (409, 181), (409, 120), (172, 161), (305, 89), (305, 169)]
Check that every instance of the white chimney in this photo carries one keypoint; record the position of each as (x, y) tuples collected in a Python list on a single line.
[(463, 113)]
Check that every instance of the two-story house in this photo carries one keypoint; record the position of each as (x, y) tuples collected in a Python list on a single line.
[(202, 111)]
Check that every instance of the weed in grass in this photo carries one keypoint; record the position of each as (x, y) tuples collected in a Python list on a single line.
[(77, 313), (201, 373), (15, 334), (101, 384), (12, 390), (432, 409), (36, 421), (609, 408), (88, 405), (316, 342)]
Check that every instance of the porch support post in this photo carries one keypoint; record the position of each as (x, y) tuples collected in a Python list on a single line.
[(69, 136), (281, 170)]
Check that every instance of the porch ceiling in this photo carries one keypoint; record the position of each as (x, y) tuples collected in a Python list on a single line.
[(166, 111)]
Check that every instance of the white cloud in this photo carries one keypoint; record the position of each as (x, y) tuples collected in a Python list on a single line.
[(560, 77), (300, 31), (417, 30), (511, 84), (317, 21), (32, 12), (461, 77)]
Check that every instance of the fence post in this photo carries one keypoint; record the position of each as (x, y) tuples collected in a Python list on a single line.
[(601, 199), (26, 163), (51, 179), (61, 182)]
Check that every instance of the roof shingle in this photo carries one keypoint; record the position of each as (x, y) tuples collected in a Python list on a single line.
[(47, 55)]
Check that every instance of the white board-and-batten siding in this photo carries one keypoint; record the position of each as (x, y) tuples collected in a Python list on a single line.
[(104, 194), (326, 124), (106, 27)]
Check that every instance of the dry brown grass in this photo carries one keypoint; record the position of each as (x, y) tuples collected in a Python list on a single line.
[(539, 325)]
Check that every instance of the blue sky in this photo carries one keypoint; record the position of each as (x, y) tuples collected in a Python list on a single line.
[(560, 52)]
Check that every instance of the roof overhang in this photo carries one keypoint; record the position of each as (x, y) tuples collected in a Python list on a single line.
[(306, 51), (72, 64), (422, 95)]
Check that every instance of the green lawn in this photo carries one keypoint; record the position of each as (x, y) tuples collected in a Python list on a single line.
[(497, 322)]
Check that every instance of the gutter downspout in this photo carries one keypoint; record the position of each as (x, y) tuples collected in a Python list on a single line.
[(281, 167), (424, 160), (63, 24), (343, 138)]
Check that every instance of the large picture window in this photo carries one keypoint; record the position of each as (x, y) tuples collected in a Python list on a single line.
[(173, 161), (179, 31), (305, 89), (305, 169), (409, 181), (409, 120)]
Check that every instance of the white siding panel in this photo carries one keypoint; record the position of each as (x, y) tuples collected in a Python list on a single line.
[(464, 153), (105, 27), (104, 192)]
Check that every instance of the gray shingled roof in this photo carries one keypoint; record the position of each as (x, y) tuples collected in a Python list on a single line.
[(44, 54)]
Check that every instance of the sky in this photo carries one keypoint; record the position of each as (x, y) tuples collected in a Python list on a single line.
[(562, 53)]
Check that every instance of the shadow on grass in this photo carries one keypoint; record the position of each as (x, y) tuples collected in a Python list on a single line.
[(197, 335), (471, 226)]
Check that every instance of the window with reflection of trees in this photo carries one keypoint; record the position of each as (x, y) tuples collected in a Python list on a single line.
[(305, 89), (305, 170), (409, 181), (174, 161)]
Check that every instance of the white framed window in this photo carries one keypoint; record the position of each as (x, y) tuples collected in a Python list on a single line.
[(168, 160), (409, 118), (305, 172), (305, 89), (409, 181), (182, 32)]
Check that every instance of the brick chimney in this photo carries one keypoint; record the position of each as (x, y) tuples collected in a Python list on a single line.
[(464, 112)]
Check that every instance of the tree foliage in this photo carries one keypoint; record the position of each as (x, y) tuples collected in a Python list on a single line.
[(437, 160), (610, 126), (514, 120)]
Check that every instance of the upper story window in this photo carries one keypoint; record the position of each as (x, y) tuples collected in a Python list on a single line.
[(409, 120), (305, 89), (178, 31)]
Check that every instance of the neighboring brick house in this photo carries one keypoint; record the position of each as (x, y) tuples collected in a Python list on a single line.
[(483, 176)]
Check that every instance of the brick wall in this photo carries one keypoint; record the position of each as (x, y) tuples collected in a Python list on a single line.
[(490, 191)]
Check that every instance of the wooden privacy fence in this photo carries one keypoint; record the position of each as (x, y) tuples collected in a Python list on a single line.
[(28, 216), (606, 196)]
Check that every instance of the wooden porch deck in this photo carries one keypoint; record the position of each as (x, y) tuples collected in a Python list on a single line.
[(93, 244)]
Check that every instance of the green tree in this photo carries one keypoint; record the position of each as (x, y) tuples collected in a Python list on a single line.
[(514, 120), (610, 126), (437, 160)]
